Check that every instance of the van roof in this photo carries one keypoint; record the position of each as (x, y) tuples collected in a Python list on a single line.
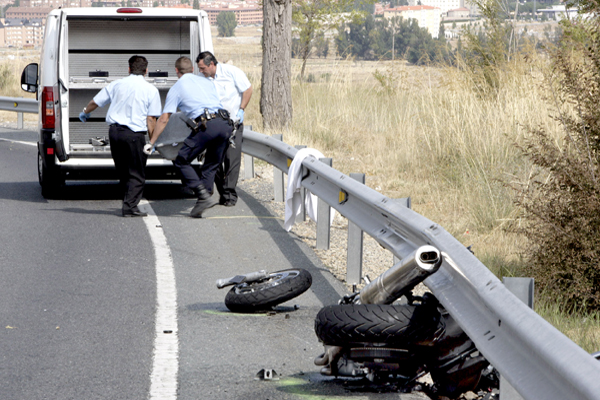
[(122, 12)]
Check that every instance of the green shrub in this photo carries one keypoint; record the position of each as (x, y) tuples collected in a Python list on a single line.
[(561, 201)]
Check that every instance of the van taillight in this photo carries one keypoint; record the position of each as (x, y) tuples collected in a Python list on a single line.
[(129, 10), (48, 121)]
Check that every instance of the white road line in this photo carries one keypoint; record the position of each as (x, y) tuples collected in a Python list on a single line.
[(165, 363), (18, 141)]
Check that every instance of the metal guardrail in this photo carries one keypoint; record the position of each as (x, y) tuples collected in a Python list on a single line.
[(20, 105), (533, 356)]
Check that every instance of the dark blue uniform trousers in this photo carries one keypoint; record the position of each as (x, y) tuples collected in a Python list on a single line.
[(214, 140), (127, 150), (229, 171)]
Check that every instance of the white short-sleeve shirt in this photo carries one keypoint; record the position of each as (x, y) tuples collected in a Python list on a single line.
[(192, 94), (131, 100), (230, 82)]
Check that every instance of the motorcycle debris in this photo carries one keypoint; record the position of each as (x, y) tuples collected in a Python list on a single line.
[(266, 375)]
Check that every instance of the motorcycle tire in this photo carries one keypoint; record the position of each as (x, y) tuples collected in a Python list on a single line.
[(360, 324), (263, 295)]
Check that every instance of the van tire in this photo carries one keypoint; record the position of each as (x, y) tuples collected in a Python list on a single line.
[(49, 178)]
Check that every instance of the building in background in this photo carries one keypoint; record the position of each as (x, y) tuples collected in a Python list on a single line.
[(558, 12), (24, 26), (56, 3), (427, 17), (458, 13), (443, 5), (30, 13), (25, 35), (245, 14)]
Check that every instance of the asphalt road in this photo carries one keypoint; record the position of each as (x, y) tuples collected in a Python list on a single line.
[(79, 295)]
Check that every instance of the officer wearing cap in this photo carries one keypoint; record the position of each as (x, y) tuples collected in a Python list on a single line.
[(134, 107), (235, 91), (196, 97)]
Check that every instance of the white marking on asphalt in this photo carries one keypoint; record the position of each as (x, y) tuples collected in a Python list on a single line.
[(18, 141), (165, 363)]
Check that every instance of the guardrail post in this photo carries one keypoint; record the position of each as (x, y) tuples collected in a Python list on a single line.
[(354, 253), (19, 120), (278, 177), (302, 191), (248, 160), (248, 167), (523, 289), (323, 217), (406, 202)]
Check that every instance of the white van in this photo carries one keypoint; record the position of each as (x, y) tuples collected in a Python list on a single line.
[(84, 50)]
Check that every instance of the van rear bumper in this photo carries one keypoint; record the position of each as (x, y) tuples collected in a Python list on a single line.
[(104, 169)]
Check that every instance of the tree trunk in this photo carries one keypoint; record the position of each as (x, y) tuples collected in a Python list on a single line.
[(276, 87), (305, 54)]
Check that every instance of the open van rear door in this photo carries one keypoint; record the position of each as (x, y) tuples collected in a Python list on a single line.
[(61, 109)]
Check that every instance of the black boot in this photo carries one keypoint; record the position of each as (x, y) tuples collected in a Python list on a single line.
[(205, 201)]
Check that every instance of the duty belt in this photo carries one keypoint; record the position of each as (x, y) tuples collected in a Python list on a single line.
[(202, 119), (207, 116)]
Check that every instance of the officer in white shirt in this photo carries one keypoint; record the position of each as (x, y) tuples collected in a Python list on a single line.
[(234, 91), (196, 97), (134, 107)]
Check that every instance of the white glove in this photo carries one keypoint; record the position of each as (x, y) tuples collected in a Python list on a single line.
[(240, 115), (148, 148)]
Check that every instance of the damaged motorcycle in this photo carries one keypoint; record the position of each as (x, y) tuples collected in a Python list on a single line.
[(392, 337)]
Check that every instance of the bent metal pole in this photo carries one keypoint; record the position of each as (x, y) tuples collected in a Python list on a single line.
[(402, 277)]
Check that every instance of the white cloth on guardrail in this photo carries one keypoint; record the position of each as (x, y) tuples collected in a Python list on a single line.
[(293, 198)]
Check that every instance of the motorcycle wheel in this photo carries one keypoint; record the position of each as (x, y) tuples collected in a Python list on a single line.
[(359, 324), (263, 295)]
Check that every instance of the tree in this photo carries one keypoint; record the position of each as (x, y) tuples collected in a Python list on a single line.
[(195, 6), (276, 85), (226, 23), (315, 17), (322, 46), (396, 37)]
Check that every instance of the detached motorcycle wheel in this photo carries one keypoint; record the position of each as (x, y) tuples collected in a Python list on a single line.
[(263, 295), (358, 324)]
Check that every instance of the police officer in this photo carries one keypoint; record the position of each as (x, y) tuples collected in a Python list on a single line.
[(196, 97), (234, 91), (134, 107)]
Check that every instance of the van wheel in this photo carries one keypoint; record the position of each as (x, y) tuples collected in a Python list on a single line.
[(50, 179)]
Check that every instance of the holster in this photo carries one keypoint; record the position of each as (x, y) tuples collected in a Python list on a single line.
[(194, 125)]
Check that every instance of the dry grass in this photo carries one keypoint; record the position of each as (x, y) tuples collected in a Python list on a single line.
[(11, 66)]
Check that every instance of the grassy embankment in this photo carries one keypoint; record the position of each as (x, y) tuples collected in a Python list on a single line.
[(426, 135)]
